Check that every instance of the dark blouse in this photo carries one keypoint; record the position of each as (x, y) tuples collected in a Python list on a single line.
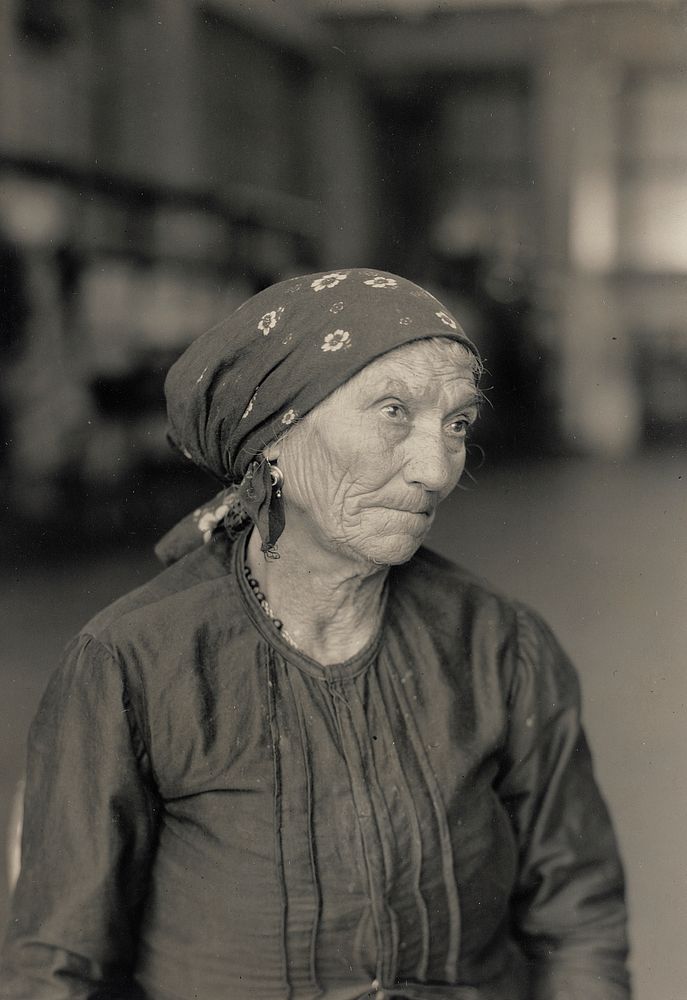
[(210, 814)]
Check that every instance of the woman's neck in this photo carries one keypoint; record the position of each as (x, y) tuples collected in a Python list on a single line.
[(329, 605)]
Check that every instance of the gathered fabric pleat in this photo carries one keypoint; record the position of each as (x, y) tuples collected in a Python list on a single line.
[(453, 903), (415, 833), (371, 834), (316, 900), (270, 673), (384, 824)]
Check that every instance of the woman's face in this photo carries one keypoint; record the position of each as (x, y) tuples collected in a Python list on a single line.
[(365, 471)]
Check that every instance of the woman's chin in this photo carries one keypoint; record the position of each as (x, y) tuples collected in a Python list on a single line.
[(393, 538), (390, 550)]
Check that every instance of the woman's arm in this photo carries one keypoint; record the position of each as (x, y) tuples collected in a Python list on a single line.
[(569, 908), (88, 838)]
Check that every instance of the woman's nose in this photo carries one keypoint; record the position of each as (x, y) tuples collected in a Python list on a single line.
[(429, 463)]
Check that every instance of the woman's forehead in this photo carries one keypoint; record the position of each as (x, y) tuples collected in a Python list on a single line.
[(416, 367)]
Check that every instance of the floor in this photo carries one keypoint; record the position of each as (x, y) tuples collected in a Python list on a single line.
[(600, 549)]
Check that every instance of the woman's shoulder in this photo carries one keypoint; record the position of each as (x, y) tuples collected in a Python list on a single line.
[(179, 599), (438, 581), (160, 650), (448, 595), (452, 598)]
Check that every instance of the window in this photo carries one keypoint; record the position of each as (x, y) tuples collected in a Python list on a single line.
[(251, 103), (653, 172), (485, 171)]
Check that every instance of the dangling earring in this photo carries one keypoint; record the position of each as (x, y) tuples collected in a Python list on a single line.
[(260, 493), (277, 477), (276, 512)]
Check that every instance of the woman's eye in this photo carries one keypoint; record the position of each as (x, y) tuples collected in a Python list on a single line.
[(459, 428), (394, 411)]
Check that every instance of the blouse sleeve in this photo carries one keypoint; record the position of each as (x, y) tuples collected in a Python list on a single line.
[(87, 841), (568, 908)]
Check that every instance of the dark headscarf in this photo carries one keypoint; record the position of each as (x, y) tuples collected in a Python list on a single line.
[(241, 385)]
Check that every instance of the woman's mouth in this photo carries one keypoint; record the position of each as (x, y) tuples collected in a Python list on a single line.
[(415, 521)]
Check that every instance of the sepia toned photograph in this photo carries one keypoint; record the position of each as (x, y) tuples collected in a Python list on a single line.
[(343, 499)]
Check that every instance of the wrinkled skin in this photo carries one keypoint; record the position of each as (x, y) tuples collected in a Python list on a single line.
[(365, 471)]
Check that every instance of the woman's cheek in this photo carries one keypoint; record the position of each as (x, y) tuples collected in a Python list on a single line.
[(364, 458), (378, 450), (323, 489)]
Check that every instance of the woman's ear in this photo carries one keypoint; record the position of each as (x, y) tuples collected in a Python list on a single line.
[(272, 452)]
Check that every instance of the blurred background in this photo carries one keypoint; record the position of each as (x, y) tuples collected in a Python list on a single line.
[(161, 160)]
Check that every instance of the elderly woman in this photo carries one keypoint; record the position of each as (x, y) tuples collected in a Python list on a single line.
[(310, 758)]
